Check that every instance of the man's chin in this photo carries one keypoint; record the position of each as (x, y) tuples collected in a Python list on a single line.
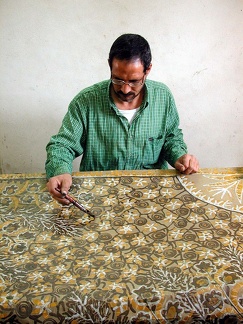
[(126, 98)]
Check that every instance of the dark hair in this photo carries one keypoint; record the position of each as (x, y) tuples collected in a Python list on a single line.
[(130, 47)]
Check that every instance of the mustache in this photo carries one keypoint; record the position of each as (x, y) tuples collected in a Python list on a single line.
[(125, 94)]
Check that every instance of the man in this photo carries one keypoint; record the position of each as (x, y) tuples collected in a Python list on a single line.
[(127, 122)]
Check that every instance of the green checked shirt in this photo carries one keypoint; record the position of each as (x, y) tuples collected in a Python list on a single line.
[(94, 127)]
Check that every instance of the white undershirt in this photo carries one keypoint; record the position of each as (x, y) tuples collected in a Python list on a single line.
[(129, 114)]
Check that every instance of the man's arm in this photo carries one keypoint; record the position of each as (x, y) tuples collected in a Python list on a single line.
[(62, 149), (65, 146), (175, 149)]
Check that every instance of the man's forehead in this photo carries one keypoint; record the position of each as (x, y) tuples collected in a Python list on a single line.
[(135, 65)]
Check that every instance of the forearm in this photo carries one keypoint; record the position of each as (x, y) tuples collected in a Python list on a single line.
[(59, 160), (174, 147)]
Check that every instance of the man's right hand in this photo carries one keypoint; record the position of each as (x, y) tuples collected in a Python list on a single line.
[(63, 182)]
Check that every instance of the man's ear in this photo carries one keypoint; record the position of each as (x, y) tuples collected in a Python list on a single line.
[(148, 70), (109, 63)]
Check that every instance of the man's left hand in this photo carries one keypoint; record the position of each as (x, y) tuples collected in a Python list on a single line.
[(187, 164)]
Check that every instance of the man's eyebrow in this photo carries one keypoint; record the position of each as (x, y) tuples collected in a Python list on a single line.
[(115, 77)]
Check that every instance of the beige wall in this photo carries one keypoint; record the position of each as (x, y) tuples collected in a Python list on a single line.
[(51, 49)]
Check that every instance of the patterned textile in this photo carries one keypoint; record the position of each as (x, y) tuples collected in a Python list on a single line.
[(163, 248)]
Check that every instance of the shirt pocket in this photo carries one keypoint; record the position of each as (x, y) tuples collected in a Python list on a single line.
[(152, 149)]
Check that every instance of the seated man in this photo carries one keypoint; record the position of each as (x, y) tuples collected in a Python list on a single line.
[(125, 123)]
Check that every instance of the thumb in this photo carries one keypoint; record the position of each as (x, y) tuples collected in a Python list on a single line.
[(180, 167)]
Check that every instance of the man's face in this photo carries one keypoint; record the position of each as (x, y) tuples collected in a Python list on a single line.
[(132, 73)]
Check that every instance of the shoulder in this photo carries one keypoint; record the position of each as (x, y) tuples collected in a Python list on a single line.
[(157, 86), (97, 90), (158, 92)]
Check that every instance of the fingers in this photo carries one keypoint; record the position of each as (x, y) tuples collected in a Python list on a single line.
[(187, 164), (180, 167), (191, 168), (192, 165), (65, 185), (63, 182)]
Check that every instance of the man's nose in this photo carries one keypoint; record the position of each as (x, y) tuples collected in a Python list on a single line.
[(125, 88)]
